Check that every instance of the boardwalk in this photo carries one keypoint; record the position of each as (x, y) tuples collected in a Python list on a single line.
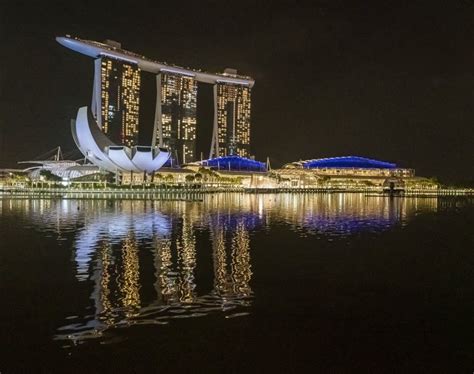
[(194, 193)]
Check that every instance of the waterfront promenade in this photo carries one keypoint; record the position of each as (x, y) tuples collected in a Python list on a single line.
[(193, 192)]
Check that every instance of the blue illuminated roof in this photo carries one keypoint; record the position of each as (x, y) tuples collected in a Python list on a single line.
[(234, 163), (347, 162)]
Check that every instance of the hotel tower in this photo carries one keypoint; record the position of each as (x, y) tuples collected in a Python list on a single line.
[(175, 117), (116, 98), (232, 119), (116, 102)]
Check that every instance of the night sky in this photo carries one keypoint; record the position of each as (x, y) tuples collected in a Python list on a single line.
[(388, 80)]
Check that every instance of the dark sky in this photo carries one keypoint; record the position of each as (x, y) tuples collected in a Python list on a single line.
[(388, 80)]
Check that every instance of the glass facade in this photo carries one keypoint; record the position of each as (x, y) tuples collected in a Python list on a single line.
[(233, 119), (178, 116), (120, 100)]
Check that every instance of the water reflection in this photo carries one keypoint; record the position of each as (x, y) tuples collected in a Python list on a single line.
[(346, 214), (107, 252), (139, 260)]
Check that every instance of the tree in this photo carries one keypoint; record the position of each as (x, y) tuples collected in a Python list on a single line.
[(49, 176), (169, 178), (325, 179)]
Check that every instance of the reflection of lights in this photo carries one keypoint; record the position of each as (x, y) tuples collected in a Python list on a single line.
[(187, 261), (165, 282), (260, 207), (107, 247), (237, 282), (241, 273), (129, 279), (103, 302), (115, 227), (219, 256)]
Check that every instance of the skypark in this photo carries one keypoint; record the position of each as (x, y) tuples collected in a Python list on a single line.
[(113, 49)]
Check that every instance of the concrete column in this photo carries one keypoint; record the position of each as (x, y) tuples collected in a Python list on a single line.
[(215, 137), (96, 105), (158, 124)]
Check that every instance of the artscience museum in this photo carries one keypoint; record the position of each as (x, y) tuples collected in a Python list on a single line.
[(102, 152)]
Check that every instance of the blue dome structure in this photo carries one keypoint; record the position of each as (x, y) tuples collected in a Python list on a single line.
[(354, 162), (234, 163)]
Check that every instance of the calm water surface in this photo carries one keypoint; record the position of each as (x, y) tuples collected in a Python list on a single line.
[(238, 283)]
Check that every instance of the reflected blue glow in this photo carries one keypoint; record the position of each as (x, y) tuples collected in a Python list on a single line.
[(138, 260)]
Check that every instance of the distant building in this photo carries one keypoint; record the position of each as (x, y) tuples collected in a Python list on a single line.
[(351, 166), (230, 163), (116, 99), (63, 169), (344, 171), (177, 123)]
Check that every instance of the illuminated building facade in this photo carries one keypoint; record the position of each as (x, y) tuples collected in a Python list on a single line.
[(117, 111), (108, 156), (343, 172), (176, 116), (348, 166), (232, 120), (115, 101)]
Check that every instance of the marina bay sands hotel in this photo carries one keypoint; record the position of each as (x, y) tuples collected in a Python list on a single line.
[(116, 101)]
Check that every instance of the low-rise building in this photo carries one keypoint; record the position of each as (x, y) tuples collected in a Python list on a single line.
[(344, 172)]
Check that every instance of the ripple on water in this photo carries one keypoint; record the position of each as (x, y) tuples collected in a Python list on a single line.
[(136, 261)]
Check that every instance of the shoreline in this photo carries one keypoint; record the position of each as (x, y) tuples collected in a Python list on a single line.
[(197, 194)]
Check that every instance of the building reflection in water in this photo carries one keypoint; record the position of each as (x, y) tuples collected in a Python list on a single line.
[(140, 259), (346, 214), (107, 253)]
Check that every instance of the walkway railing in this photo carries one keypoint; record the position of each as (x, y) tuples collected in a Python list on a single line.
[(193, 192)]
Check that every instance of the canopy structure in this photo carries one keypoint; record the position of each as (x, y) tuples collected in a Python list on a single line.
[(342, 162), (102, 152), (66, 170), (233, 163)]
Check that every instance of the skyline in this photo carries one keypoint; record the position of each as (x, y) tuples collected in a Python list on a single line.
[(392, 84)]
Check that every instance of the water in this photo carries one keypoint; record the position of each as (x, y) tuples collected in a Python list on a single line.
[(238, 283)]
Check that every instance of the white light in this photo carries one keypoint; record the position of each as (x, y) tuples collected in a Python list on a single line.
[(178, 72), (118, 57)]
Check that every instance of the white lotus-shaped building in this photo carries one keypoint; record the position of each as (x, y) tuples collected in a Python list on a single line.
[(102, 152)]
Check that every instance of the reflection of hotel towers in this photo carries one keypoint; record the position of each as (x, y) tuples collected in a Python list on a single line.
[(117, 278), (124, 293), (176, 284), (235, 282), (116, 99), (173, 286)]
